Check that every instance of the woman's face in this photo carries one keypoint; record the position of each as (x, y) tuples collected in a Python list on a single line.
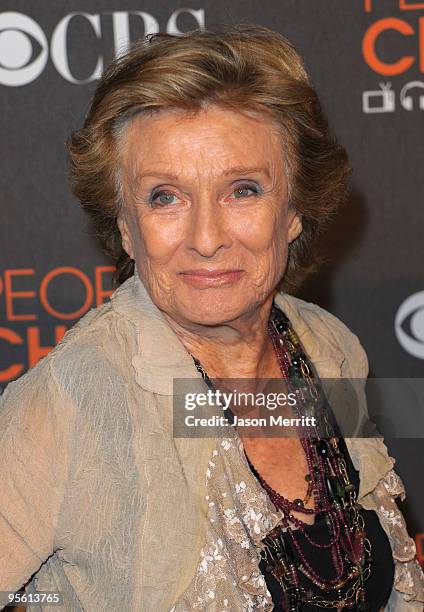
[(206, 192)]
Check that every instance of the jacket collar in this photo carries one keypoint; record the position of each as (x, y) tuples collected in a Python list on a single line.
[(323, 352), (161, 355)]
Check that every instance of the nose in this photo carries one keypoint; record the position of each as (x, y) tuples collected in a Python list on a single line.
[(208, 232)]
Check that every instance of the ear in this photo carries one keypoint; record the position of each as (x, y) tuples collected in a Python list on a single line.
[(294, 228), (125, 235)]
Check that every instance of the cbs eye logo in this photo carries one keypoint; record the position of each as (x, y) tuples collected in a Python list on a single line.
[(25, 50), (20, 62), (409, 325)]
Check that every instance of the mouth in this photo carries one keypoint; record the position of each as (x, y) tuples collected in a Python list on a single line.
[(206, 277)]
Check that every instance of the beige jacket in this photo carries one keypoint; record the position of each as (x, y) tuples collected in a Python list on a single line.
[(100, 502)]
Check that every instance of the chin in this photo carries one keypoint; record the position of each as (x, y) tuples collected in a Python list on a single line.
[(212, 309)]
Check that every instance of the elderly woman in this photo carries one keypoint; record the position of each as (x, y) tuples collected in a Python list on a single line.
[(208, 170)]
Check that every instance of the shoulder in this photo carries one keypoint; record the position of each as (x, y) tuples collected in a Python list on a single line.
[(312, 313), (80, 363), (326, 328)]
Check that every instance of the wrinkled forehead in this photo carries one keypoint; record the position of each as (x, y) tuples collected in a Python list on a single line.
[(208, 142)]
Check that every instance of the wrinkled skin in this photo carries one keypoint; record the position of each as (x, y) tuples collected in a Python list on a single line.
[(224, 207)]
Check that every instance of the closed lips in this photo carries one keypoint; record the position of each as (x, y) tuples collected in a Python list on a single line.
[(204, 272)]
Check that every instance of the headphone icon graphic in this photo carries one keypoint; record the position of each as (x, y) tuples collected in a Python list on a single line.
[(407, 100)]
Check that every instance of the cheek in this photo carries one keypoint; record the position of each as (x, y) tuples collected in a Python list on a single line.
[(260, 233), (158, 237)]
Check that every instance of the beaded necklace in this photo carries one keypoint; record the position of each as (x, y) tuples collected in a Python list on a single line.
[(333, 493)]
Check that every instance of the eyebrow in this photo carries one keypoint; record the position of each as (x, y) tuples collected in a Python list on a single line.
[(240, 170)]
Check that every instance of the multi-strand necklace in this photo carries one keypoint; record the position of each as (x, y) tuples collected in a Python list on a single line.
[(333, 493)]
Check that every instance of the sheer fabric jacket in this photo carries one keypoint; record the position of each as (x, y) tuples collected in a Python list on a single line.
[(101, 503)]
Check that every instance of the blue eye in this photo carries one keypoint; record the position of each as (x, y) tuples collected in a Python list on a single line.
[(243, 191), (164, 198)]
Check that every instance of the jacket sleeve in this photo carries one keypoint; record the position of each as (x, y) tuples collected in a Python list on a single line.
[(408, 589), (35, 434), (380, 486)]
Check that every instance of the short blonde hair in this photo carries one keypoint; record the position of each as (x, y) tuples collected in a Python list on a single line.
[(245, 68)]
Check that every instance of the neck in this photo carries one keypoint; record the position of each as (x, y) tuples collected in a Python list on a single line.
[(237, 349)]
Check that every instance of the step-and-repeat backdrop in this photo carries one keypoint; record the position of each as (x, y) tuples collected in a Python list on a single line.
[(366, 60)]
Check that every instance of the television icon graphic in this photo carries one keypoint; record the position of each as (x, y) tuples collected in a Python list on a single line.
[(379, 101)]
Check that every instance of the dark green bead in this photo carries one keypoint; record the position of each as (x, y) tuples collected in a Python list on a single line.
[(281, 326), (294, 372), (341, 491), (322, 448), (334, 491), (309, 410)]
